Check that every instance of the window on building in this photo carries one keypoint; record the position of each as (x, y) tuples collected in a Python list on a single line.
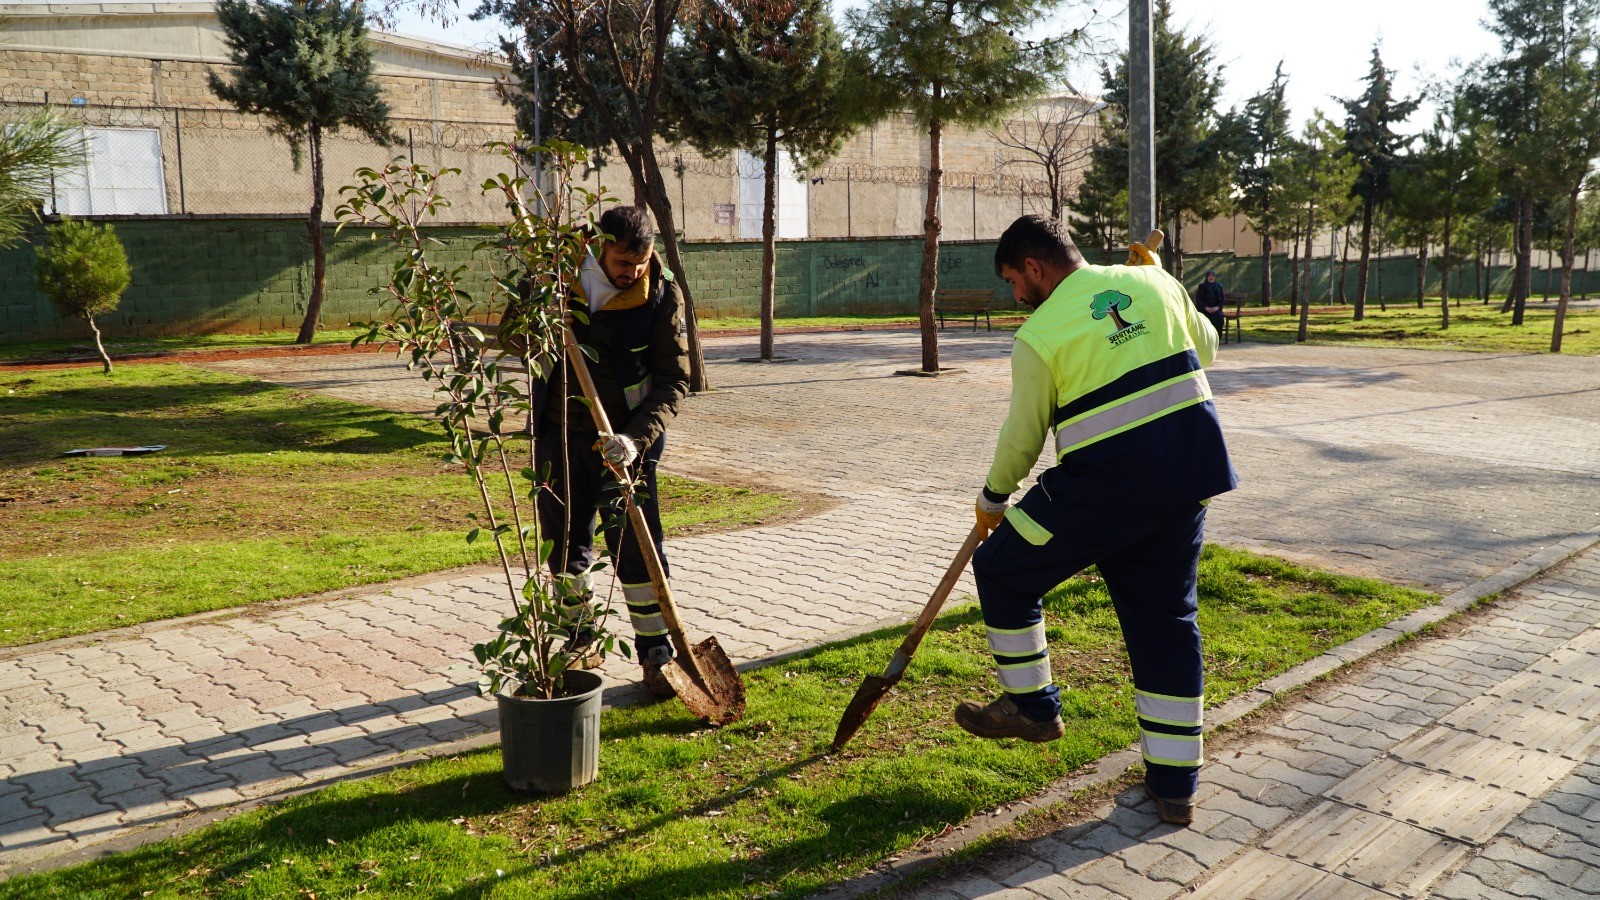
[(794, 208), (123, 176)]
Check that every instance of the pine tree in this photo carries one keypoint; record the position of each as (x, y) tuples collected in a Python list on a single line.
[(307, 67), (32, 151), (1097, 212), (1195, 143), (763, 73), (615, 54), (953, 62), (1260, 173), (1374, 145), (1323, 175), (1514, 94), (1445, 181)]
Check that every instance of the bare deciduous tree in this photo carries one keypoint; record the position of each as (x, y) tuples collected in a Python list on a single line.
[(1058, 135)]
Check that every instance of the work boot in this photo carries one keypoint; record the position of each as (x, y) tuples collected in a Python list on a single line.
[(1173, 811), (654, 660), (1002, 719)]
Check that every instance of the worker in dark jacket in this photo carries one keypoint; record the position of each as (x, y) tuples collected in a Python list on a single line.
[(1209, 298), (633, 322)]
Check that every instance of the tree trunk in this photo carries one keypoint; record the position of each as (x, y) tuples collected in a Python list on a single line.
[(1522, 280), (769, 239), (660, 205), (1177, 247), (1344, 268), (1477, 271), (1294, 273), (105, 358), (1266, 271), (1585, 289), (1549, 269), (1422, 272), (1366, 259), (1305, 298), (1568, 253), (930, 246), (1444, 279), (319, 253), (1382, 304)]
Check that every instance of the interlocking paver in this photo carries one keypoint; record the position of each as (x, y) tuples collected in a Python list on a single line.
[(1357, 460)]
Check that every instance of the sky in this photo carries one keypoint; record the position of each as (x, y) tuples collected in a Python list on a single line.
[(1326, 47)]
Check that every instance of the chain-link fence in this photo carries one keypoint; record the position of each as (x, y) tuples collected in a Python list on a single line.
[(153, 160)]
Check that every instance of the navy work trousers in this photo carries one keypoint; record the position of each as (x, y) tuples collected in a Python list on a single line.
[(590, 488), (1149, 562)]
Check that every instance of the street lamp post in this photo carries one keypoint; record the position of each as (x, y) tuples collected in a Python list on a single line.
[(1141, 123)]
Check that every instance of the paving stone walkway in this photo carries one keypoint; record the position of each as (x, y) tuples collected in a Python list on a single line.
[(1465, 768), (1429, 468)]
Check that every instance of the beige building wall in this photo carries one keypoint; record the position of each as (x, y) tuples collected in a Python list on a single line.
[(144, 67)]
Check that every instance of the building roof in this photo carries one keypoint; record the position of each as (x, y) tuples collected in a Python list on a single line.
[(191, 32)]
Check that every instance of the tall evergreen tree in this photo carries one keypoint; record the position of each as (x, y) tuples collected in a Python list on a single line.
[(1373, 144), (1324, 175), (1444, 182), (306, 66), (1097, 212), (1195, 143), (1572, 88), (768, 74), (1259, 178), (1514, 93), (615, 54), (953, 62)]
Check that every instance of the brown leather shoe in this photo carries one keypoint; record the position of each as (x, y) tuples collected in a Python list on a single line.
[(656, 683), (1172, 811), (1002, 719)]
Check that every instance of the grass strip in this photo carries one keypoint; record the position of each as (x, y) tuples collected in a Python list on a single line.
[(758, 808), (263, 493), (1473, 327)]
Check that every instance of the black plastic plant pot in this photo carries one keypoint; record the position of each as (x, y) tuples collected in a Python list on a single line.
[(552, 746)]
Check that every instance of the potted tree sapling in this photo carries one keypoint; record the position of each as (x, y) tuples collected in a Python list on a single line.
[(535, 665)]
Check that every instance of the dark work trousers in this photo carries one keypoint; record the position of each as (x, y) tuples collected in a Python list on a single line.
[(1216, 322), (591, 487), (1149, 563)]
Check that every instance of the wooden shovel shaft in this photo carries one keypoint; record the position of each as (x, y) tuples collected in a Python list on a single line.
[(902, 656), (641, 528)]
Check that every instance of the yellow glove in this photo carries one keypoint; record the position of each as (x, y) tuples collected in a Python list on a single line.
[(1144, 253), (990, 513)]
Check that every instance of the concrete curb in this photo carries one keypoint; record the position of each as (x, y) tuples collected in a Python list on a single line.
[(1111, 767)]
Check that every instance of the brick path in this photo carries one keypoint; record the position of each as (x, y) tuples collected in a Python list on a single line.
[(1429, 468), (1465, 768)]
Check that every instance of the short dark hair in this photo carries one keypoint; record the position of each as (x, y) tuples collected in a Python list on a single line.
[(1035, 237), (630, 228)]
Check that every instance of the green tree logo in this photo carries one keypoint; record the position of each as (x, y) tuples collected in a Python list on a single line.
[(1111, 303)]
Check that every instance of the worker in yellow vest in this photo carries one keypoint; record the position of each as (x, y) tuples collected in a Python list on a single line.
[(1111, 361)]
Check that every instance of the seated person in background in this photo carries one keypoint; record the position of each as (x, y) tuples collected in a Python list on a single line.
[(1209, 298)]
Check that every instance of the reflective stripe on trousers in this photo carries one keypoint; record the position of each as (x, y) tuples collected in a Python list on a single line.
[(643, 609), (1022, 658)]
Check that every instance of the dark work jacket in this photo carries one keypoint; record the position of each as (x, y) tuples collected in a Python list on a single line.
[(642, 370), (1210, 294)]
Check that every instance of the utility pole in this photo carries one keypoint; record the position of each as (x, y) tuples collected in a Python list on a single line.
[(1141, 123)]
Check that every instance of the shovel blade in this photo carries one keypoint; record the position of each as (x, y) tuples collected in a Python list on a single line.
[(872, 690), (707, 683)]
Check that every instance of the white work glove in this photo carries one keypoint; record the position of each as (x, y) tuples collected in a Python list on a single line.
[(619, 449), (990, 513)]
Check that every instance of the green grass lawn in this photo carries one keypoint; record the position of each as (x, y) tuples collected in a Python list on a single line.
[(757, 808), (1472, 327), (263, 493), (52, 349)]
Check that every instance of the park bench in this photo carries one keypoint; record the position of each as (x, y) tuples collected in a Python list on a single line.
[(963, 303), (1232, 319)]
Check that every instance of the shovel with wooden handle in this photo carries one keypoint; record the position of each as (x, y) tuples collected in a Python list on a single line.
[(874, 687), (701, 674), (1143, 253)]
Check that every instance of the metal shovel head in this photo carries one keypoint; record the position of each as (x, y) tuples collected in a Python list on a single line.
[(872, 689), (707, 683)]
